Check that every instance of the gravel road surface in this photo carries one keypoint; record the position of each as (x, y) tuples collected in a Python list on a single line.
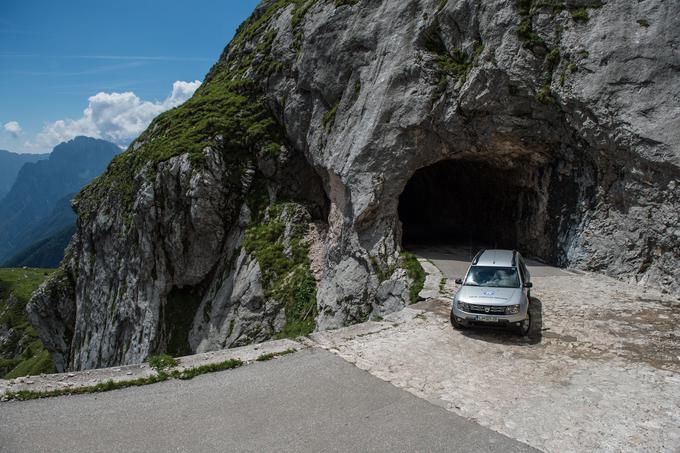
[(604, 375)]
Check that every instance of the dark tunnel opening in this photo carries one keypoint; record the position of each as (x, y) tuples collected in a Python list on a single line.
[(474, 203)]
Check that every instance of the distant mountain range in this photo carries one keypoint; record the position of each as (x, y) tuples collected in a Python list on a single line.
[(36, 219), (10, 164), (42, 245)]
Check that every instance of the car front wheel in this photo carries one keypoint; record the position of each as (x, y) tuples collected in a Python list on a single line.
[(454, 322), (525, 326)]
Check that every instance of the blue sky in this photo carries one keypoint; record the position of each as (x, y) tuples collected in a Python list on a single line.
[(55, 56)]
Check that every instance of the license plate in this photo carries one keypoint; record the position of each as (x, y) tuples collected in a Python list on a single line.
[(487, 318)]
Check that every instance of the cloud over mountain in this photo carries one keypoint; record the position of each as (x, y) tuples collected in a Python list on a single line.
[(13, 128), (117, 117)]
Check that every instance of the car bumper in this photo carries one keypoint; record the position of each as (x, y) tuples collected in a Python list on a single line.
[(489, 319)]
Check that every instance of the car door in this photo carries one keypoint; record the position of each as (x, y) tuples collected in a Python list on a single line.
[(526, 276), (525, 270)]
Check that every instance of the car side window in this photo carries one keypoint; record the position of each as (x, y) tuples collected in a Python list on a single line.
[(521, 272), (526, 276)]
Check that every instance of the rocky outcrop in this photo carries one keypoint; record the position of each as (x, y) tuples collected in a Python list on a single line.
[(269, 204), (53, 309)]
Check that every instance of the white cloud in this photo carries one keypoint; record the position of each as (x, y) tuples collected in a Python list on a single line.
[(13, 128), (117, 117)]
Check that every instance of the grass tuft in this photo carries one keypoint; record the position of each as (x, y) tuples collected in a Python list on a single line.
[(191, 373), (271, 355), (329, 117), (545, 95), (162, 362), (416, 274), (580, 14)]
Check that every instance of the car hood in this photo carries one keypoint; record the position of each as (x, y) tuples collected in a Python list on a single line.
[(488, 296)]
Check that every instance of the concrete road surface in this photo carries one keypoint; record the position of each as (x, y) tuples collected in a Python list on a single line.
[(309, 401)]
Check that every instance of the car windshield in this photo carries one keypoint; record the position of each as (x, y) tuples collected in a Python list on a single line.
[(496, 277)]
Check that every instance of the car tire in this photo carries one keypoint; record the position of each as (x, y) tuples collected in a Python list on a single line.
[(456, 325), (534, 326), (525, 326)]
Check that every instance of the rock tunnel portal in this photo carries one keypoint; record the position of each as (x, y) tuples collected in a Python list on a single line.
[(487, 204)]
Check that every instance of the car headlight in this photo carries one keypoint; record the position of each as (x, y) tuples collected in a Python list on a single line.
[(463, 306), (512, 309)]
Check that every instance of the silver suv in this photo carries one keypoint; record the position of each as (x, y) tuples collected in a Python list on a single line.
[(495, 291)]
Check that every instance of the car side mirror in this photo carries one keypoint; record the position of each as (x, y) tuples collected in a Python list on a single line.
[(528, 285), (459, 281)]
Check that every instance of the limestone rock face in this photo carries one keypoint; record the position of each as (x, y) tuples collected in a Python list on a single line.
[(555, 125)]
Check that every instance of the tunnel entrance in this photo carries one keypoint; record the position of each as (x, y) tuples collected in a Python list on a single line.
[(474, 203)]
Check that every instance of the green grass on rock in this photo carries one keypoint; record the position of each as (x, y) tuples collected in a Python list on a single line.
[(284, 263), (23, 353)]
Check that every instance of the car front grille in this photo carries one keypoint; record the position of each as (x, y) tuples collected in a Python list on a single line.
[(482, 309)]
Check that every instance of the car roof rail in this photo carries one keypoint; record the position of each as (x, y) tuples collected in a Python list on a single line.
[(475, 260), (514, 258)]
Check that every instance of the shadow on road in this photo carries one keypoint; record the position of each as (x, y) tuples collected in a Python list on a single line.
[(510, 335), (499, 335)]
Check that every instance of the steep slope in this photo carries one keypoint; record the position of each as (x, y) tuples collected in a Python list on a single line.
[(10, 164), (21, 352), (269, 203), (42, 186)]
